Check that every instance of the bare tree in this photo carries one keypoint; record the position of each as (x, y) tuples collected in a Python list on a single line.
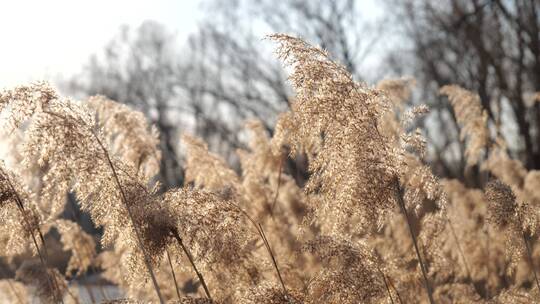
[(226, 73), (336, 26), (140, 69), (489, 46), (233, 73)]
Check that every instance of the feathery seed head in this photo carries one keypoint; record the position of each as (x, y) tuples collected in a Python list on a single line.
[(342, 117), (502, 205), (205, 169), (472, 118), (49, 283)]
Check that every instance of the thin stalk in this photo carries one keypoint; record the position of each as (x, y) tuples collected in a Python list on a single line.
[(529, 257), (267, 244), (190, 258), (73, 296), (386, 285), (167, 251), (173, 274), (131, 217), (20, 206), (260, 231), (395, 289), (42, 238), (124, 200), (401, 203), (460, 250)]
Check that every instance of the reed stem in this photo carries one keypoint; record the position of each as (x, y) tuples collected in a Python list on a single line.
[(460, 250), (173, 274), (401, 203), (131, 217), (267, 245), (386, 285), (43, 260), (531, 262), (190, 258)]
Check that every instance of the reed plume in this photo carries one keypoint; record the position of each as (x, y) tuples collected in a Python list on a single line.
[(517, 221), (372, 224), (36, 275), (81, 245), (65, 135), (472, 118), (344, 117)]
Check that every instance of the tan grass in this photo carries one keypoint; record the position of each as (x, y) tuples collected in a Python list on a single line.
[(371, 225)]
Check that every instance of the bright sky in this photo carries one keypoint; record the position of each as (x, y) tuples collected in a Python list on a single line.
[(41, 39), (50, 39)]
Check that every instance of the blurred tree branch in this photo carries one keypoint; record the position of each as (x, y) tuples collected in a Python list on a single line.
[(491, 47), (224, 75)]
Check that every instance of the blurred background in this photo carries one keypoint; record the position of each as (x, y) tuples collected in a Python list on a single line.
[(204, 66)]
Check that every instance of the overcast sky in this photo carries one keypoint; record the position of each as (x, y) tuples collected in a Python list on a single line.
[(42, 39)]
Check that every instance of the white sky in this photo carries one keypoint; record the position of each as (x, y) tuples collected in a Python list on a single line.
[(50, 39), (42, 39)]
